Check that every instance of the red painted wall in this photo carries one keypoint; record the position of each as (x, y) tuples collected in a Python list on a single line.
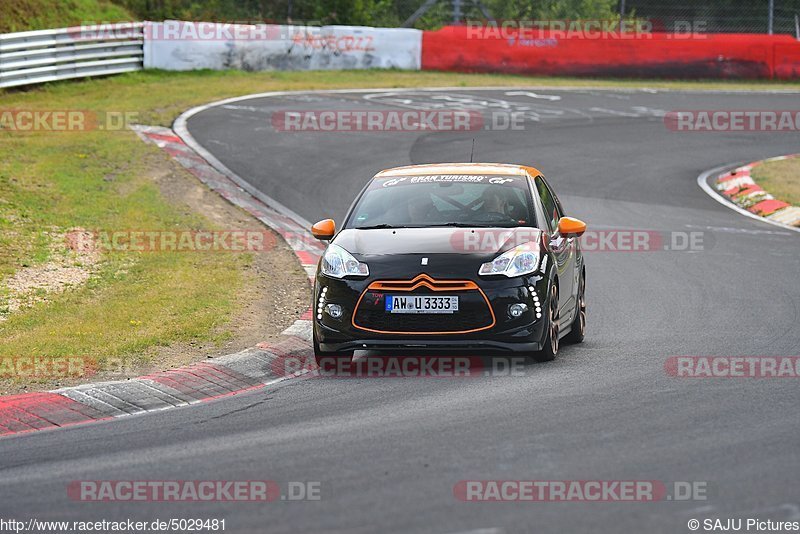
[(751, 56)]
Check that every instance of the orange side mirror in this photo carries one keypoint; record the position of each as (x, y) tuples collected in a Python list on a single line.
[(570, 226), (324, 230)]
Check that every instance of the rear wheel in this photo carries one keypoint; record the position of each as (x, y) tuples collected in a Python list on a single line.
[(550, 344), (576, 334), (331, 361)]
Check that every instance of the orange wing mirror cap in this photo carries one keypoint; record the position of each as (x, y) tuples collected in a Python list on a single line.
[(324, 230), (571, 226)]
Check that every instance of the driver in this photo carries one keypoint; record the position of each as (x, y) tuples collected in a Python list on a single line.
[(421, 208), (494, 201), (416, 208)]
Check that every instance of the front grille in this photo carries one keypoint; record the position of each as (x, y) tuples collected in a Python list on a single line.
[(474, 314)]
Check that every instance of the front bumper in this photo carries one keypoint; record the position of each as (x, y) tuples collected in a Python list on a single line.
[(522, 334), (429, 345)]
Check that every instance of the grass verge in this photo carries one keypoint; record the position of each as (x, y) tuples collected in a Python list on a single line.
[(780, 178)]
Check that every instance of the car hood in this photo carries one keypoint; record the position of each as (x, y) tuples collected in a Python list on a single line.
[(472, 241)]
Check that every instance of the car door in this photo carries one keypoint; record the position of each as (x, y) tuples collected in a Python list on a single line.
[(563, 247)]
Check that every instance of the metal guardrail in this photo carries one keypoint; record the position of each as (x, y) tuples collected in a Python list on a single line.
[(80, 52)]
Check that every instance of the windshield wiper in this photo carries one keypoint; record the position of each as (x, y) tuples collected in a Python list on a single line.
[(377, 227), (467, 225), (385, 226)]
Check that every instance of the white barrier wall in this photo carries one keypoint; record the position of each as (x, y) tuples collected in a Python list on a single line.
[(178, 45)]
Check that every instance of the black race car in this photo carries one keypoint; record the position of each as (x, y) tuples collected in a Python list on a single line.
[(465, 256)]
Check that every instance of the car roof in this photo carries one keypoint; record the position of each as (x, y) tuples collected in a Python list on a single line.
[(459, 168)]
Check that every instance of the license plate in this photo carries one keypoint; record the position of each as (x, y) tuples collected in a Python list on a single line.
[(421, 304)]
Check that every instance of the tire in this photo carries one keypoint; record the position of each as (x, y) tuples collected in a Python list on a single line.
[(550, 344), (331, 361), (578, 331)]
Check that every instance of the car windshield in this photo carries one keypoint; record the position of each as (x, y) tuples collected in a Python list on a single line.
[(444, 200)]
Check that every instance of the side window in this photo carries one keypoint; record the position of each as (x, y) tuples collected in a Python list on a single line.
[(551, 210)]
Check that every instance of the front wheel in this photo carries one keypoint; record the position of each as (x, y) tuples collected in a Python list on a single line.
[(578, 330), (331, 361), (550, 344)]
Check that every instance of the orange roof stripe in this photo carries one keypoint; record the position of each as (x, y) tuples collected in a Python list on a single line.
[(459, 168)]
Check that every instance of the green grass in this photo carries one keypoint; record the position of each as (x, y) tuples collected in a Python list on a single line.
[(129, 308), (52, 182), (781, 179), (24, 15), (136, 301)]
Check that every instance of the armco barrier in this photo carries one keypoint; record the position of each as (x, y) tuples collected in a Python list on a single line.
[(460, 48), (177, 45), (49, 55)]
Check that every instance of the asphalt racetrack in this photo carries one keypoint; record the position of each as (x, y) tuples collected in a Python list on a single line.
[(388, 452)]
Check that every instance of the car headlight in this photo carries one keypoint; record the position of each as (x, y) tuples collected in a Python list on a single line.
[(338, 263), (520, 260)]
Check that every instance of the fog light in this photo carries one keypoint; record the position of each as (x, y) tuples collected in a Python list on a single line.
[(516, 310), (334, 310)]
